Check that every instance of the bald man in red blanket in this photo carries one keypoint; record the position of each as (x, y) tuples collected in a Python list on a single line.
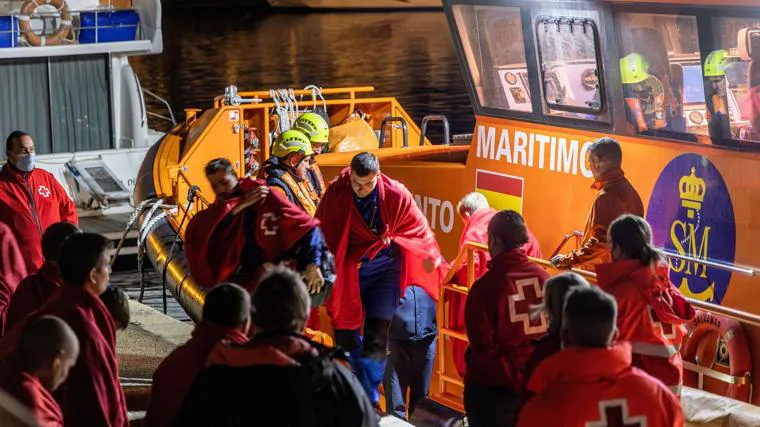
[(382, 244), (92, 395), (246, 227)]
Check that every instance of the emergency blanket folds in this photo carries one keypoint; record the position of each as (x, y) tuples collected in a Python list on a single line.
[(349, 237), (215, 245)]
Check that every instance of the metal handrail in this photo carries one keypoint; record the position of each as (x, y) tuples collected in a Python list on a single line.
[(381, 139), (435, 118), (163, 101), (716, 264), (264, 94)]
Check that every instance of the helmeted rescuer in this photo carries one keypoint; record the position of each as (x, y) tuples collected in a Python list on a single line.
[(316, 128), (652, 312), (12, 270), (30, 199), (287, 170), (476, 214), (382, 244), (616, 196), (644, 94), (719, 123), (47, 350), (287, 379), (85, 268), (36, 288), (499, 325), (591, 381), (226, 318), (246, 227)]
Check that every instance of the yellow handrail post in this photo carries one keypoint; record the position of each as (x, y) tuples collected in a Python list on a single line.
[(470, 266)]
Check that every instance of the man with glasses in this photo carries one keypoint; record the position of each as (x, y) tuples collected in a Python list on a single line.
[(616, 196)]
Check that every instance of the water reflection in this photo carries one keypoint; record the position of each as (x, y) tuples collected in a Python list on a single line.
[(406, 55)]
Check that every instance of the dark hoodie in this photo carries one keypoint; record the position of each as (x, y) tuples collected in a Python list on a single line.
[(276, 380)]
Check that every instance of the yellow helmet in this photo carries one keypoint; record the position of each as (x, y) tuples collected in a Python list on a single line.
[(314, 126), (715, 64), (291, 141), (634, 68)]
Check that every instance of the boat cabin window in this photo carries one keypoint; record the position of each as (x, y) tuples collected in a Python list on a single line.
[(492, 42), (661, 73), (732, 77), (570, 65)]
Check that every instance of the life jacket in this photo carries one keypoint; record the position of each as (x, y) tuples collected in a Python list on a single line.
[(316, 179), (298, 191)]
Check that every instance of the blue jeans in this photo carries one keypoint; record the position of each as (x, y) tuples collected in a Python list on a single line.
[(410, 366)]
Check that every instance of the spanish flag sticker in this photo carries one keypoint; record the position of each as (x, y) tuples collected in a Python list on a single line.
[(504, 192)]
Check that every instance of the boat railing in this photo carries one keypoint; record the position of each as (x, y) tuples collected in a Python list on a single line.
[(467, 254), (435, 118), (268, 96), (170, 118)]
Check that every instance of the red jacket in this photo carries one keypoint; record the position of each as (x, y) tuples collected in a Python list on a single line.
[(582, 387), (616, 196), (29, 217), (213, 251), (95, 377), (176, 374), (32, 292), (12, 270), (652, 315), (28, 390), (497, 317), (349, 238), (476, 231)]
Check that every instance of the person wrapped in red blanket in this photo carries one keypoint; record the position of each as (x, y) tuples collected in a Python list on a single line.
[(382, 244), (47, 351), (476, 214), (591, 381), (226, 318), (247, 227), (652, 312), (12, 270), (84, 263), (36, 288)]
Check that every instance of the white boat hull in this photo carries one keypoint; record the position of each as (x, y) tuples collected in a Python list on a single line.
[(357, 4)]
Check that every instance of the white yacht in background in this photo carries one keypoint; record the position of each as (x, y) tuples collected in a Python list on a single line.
[(358, 4), (65, 78)]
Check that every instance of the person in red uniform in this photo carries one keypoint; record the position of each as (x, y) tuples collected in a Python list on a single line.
[(226, 318), (476, 214), (92, 395), (652, 312), (12, 270), (499, 326), (36, 288), (591, 381), (616, 196), (30, 199), (287, 379), (246, 227), (555, 291), (47, 351), (382, 244)]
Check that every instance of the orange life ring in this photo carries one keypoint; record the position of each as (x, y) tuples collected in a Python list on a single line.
[(702, 344), (34, 39)]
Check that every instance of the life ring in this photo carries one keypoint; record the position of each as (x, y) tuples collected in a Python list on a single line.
[(25, 25), (701, 346)]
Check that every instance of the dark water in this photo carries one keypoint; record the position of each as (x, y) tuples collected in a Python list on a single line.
[(408, 55)]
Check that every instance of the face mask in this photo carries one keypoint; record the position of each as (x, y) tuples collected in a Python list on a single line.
[(25, 162)]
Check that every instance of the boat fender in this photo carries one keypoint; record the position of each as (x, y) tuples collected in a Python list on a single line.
[(25, 25), (701, 347)]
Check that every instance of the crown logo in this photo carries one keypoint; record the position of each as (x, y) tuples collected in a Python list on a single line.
[(692, 189)]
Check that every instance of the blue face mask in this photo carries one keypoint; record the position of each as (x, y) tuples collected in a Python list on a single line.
[(25, 162)]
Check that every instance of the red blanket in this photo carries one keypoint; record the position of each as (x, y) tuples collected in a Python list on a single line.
[(12, 270), (28, 390), (32, 292), (349, 238), (176, 374), (92, 394), (214, 249)]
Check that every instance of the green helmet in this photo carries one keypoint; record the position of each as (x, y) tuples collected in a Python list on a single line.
[(291, 141), (715, 64), (314, 126), (634, 68)]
